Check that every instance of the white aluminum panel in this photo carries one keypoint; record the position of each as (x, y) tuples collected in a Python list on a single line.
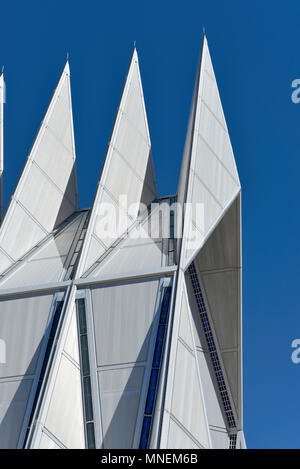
[(120, 396), (215, 176), (210, 176), (212, 208), (47, 443), (123, 316), (96, 249), (60, 244), (21, 234), (23, 323), (132, 146), (186, 390), (43, 200), (65, 413), (36, 272), (143, 256), (5, 262), (46, 263), (217, 139), (60, 121), (220, 439), (55, 160), (71, 344), (178, 438), (211, 94), (184, 326), (37, 189), (13, 402), (120, 184), (134, 106), (108, 230), (212, 403)]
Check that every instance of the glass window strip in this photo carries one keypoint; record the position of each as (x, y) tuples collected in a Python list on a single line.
[(85, 374), (211, 347), (155, 371), (232, 441), (171, 240)]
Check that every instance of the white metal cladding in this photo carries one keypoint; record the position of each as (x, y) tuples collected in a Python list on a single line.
[(23, 324), (123, 316), (65, 415), (185, 332), (46, 193), (138, 251), (61, 412), (71, 344), (131, 257), (186, 390), (128, 168), (178, 438), (5, 262), (218, 266), (184, 400), (220, 439), (120, 391), (14, 397), (47, 262), (47, 443), (212, 178)]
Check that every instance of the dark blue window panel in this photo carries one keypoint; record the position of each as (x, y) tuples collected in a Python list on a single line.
[(84, 355), (90, 436), (158, 346), (151, 392), (145, 433), (81, 316), (88, 405), (85, 375), (165, 306)]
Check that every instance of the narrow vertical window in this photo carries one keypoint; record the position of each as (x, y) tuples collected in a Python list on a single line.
[(155, 371), (85, 375)]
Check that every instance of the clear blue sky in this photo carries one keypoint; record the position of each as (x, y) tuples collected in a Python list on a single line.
[(256, 55)]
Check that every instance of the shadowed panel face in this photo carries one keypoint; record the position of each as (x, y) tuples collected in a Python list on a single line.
[(14, 397), (120, 397), (123, 316), (23, 324)]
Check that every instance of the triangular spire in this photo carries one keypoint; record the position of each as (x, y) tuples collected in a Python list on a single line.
[(208, 180), (128, 169), (46, 193)]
